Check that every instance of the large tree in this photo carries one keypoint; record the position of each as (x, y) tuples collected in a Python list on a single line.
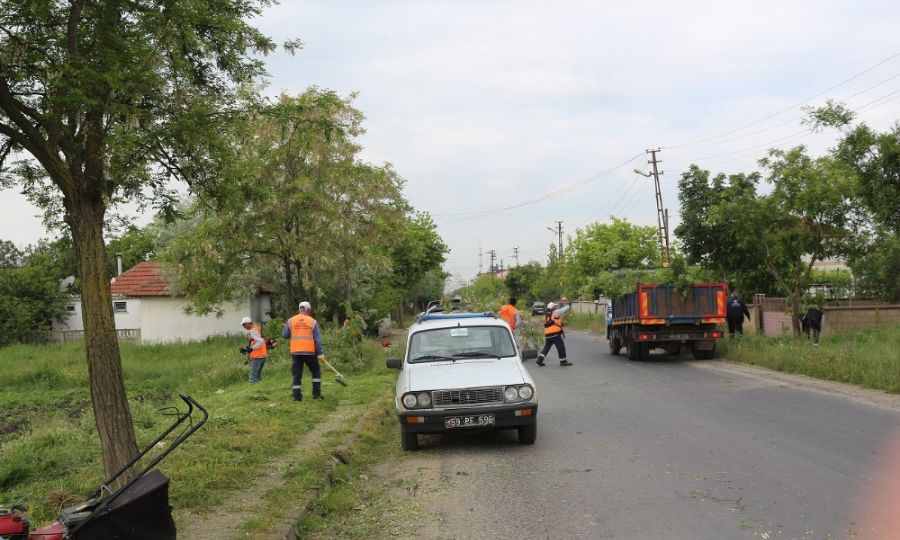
[(717, 227), (108, 100), (298, 205), (811, 214), (875, 157), (601, 247)]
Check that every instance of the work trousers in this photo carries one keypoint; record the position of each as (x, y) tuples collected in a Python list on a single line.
[(312, 361), (554, 339), (735, 325), (256, 365)]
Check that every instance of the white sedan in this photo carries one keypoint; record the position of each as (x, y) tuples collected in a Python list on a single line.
[(462, 371)]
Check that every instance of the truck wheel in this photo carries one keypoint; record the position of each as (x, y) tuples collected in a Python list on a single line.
[(409, 441), (633, 350), (527, 434), (644, 351), (615, 346), (704, 354)]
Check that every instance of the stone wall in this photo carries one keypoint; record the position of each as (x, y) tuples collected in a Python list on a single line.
[(849, 319)]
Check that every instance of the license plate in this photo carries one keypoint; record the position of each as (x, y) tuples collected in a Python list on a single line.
[(679, 336), (469, 421)]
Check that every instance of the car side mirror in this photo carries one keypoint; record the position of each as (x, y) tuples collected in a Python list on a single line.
[(394, 363), (529, 353)]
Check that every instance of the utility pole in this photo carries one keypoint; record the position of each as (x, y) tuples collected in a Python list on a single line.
[(558, 231), (516, 254), (493, 254), (479, 257), (662, 215)]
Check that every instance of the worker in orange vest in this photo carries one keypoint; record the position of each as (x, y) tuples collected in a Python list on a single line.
[(256, 350), (553, 332), (306, 348), (513, 318)]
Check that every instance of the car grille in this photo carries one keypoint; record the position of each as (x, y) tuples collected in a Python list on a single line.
[(468, 397)]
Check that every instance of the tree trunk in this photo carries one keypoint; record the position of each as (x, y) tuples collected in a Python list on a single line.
[(111, 411), (290, 298), (795, 313)]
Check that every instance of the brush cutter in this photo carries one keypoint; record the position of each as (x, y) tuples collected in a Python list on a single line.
[(139, 510), (337, 376)]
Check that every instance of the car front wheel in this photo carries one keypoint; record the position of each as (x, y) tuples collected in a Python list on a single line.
[(527, 434), (409, 441)]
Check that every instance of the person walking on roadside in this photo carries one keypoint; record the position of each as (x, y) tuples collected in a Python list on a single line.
[(735, 314), (306, 348), (256, 350), (812, 323), (553, 332), (513, 318)]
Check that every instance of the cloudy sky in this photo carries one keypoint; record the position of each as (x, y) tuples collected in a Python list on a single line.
[(505, 117)]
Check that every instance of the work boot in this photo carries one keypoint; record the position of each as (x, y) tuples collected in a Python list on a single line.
[(565, 363), (540, 361), (318, 396)]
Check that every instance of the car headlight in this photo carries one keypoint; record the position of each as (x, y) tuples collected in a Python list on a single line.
[(424, 399), (511, 393), (525, 392), (409, 401)]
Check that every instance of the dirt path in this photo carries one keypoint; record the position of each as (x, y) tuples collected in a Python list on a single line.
[(242, 505)]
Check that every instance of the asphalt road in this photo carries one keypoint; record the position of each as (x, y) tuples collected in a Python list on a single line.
[(672, 448)]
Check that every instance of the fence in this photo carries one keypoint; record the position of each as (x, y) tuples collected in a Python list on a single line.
[(64, 336), (771, 317)]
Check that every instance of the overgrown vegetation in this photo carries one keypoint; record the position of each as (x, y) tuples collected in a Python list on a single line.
[(50, 454), (868, 358)]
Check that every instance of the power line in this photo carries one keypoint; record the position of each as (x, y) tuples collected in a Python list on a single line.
[(556, 193), (782, 111)]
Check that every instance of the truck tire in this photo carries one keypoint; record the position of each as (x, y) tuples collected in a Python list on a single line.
[(704, 354), (409, 441), (644, 351), (634, 352), (615, 346)]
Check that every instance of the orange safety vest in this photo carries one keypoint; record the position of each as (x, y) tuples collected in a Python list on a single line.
[(508, 314), (302, 341), (552, 324), (260, 352)]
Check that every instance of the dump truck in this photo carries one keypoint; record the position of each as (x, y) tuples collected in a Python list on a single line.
[(661, 316)]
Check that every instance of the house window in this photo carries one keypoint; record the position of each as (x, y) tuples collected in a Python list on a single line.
[(120, 307), (70, 307)]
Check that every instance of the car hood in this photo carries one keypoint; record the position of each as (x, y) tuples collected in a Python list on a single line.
[(468, 373)]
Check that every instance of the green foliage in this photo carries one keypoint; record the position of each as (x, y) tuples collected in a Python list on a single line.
[(718, 228), (602, 247), (866, 358), (521, 281), (488, 293), (30, 295), (135, 244), (323, 224), (875, 268)]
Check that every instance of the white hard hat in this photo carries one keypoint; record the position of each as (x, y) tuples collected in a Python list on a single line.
[(305, 305), (551, 305), (246, 320)]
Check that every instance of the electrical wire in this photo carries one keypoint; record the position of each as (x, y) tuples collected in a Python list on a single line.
[(782, 111), (556, 193)]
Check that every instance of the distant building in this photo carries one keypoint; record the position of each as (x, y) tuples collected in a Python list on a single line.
[(147, 309)]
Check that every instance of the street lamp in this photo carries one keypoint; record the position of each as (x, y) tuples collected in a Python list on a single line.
[(642, 173)]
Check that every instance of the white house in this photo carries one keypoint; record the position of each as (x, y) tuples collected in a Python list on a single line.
[(147, 309)]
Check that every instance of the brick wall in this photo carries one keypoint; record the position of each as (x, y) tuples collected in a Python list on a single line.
[(848, 319)]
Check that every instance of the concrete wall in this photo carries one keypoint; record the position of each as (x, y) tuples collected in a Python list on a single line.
[(129, 319), (164, 320), (848, 319)]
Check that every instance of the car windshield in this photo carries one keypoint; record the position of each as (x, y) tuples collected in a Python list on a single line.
[(459, 342)]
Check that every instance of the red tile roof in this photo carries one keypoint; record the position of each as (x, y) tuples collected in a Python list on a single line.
[(142, 279)]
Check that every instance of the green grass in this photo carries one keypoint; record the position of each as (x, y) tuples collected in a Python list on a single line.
[(870, 358), (49, 452), (593, 322)]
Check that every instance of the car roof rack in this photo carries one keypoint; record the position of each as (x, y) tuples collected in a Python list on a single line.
[(455, 315)]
